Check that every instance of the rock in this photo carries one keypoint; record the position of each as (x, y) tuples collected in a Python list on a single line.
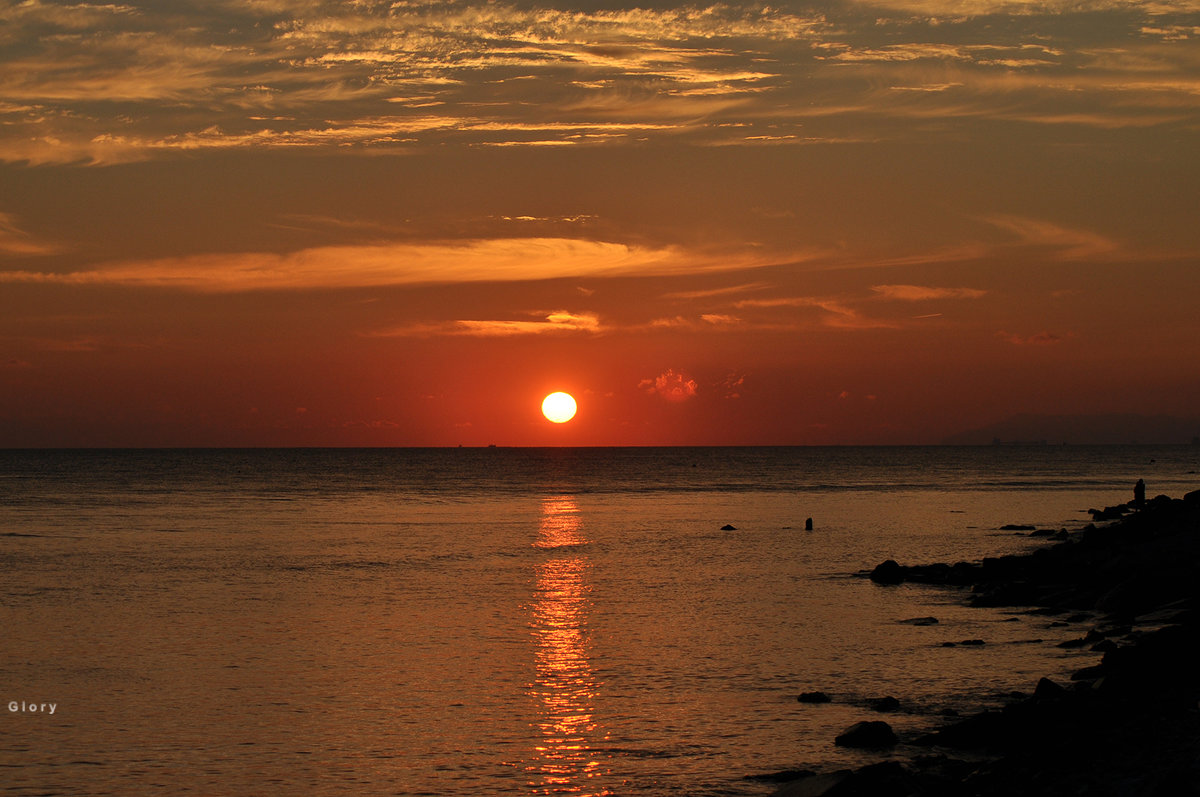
[(813, 786), (885, 704), (1133, 594), (984, 730), (813, 697), (808, 524), (1109, 512), (920, 621), (889, 572), (782, 776), (1017, 527), (1160, 666), (728, 527), (872, 734), (885, 779), (1088, 673), (1048, 690), (972, 642)]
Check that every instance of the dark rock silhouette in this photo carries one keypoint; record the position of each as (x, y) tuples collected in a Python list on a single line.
[(1049, 690), (1139, 494), (782, 776), (1109, 512), (728, 527), (808, 524), (813, 697), (885, 704), (887, 778), (871, 734), (889, 572), (1125, 725)]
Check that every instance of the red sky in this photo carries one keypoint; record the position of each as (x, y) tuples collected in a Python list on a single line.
[(319, 223)]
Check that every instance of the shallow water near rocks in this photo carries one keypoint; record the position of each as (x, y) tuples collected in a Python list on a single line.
[(508, 620)]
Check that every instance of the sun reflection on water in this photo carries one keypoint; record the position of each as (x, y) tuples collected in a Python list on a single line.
[(565, 757)]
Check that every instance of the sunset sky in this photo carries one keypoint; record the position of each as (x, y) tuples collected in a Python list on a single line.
[(276, 222)]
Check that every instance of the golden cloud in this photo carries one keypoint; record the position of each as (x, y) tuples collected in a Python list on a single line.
[(920, 293), (559, 321), (500, 260)]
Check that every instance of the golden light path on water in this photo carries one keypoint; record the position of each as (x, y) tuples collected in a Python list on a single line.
[(565, 757)]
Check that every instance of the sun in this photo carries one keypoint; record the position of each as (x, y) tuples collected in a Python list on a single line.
[(558, 407)]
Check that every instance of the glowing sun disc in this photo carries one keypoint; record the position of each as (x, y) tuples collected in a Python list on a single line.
[(558, 407)]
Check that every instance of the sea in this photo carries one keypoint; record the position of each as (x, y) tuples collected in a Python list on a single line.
[(487, 621)]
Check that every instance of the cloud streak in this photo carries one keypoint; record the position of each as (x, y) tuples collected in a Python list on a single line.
[(559, 321), (921, 293), (15, 241), (1067, 243), (838, 313), (495, 260)]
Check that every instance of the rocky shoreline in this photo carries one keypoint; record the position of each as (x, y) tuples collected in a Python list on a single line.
[(1127, 726)]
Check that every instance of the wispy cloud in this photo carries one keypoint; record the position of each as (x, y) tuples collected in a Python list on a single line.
[(1067, 243), (16, 241), (499, 260), (272, 75), (920, 293), (728, 290), (113, 83), (838, 313), (965, 9), (732, 384), (559, 321)]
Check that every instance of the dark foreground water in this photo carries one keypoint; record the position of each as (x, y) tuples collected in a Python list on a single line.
[(494, 621)]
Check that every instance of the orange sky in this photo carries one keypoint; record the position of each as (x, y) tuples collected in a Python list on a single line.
[(379, 223)]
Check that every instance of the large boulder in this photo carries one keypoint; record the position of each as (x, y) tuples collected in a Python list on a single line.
[(813, 697), (889, 572), (873, 734)]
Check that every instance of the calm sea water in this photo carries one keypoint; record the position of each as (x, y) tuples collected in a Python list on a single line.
[(505, 621)]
